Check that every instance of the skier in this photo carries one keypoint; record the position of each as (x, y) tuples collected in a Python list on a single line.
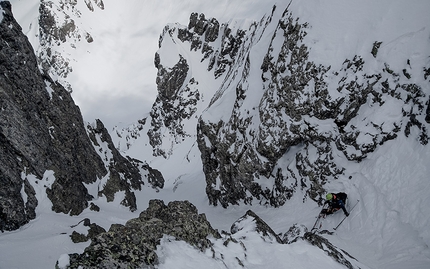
[(335, 202)]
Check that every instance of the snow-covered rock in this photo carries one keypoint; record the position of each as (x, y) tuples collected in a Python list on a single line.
[(59, 24), (134, 244), (276, 121), (124, 173)]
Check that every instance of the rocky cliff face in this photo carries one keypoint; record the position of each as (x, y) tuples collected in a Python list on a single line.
[(42, 132), (41, 129), (262, 115)]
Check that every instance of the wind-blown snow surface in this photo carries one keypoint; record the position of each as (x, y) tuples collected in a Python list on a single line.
[(388, 229)]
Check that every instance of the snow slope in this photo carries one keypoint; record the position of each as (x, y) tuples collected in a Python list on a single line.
[(380, 232), (388, 229)]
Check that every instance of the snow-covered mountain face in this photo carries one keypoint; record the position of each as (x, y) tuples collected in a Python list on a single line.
[(270, 119), (309, 97)]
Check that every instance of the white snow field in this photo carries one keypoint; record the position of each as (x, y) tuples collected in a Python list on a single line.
[(113, 79)]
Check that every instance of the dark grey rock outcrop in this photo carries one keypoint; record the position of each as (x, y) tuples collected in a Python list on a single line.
[(171, 108), (40, 129), (428, 112), (125, 174), (93, 231), (133, 245)]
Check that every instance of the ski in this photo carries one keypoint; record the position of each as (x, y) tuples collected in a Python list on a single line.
[(316, 226), (346, 216)]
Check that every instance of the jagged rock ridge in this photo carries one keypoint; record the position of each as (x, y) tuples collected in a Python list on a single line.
[(136, 244)]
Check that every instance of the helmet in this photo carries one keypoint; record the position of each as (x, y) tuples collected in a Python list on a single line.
[(329, 196)]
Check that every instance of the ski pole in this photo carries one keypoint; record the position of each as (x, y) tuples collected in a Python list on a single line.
[(346, 216)]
